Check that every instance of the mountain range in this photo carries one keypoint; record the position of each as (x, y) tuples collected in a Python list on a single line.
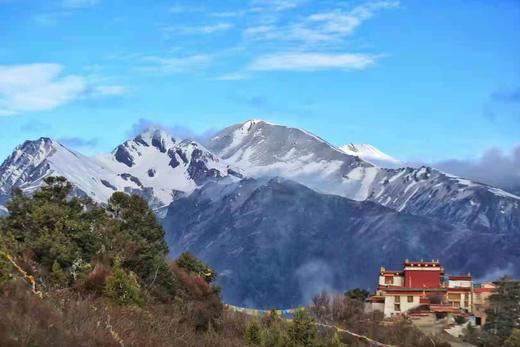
[(273, 207), (154, 165), (262, 149)]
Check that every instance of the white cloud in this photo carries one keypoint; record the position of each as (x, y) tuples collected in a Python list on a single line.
[(308, 61), (40, 87), (235, 76), (276, 5), (343, 23), (494, 167), (204, 29), (209, 29), (321, 27), (188, 63), (109, 90), (36, 87), (228, 14), (66, 9)]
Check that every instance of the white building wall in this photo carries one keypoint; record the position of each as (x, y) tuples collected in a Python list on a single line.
[(398, 281), (389, 306), (459, 284)]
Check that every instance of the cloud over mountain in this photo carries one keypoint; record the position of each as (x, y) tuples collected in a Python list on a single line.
[(494, 167)]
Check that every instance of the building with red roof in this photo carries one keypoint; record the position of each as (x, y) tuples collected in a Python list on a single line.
[(422, 284)]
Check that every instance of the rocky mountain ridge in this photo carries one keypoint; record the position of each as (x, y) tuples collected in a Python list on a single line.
[(263, 149), (153, 164)]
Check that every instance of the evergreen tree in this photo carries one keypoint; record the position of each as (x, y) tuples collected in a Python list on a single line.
[(54, 227), (144, 244), (123, 288), (60, 276), (503, 314), (513, 340), (190, 263), (65, 234), (253, 334), (302, 330), (358, 294)]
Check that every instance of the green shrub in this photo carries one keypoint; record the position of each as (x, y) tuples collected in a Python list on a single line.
[(59, 275), (302, 330), (253, 334), (123, 288), (514, 339), (192, 264), (335, 341), (358, 294), (276, 335)]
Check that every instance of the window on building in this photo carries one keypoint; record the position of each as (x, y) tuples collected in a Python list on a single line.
[(397, 299), (454, 303), (466, 304), (454, 296), (389, 280), (397, 307), (410, 298)]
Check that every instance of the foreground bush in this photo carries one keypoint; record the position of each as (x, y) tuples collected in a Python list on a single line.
[(123, 288)]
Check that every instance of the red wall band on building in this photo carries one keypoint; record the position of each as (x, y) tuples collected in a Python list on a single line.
[(422, 279)]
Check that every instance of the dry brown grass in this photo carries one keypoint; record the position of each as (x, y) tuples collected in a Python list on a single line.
[(68, 318), (349, 314)]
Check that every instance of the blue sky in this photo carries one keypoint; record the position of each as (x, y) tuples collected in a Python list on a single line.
[(426, 80)]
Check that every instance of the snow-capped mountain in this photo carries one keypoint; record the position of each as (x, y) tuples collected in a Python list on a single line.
[(263, 149), (161, 168), (163, 165), (32, 161), (372, 155), (322, 241), (153, 164)]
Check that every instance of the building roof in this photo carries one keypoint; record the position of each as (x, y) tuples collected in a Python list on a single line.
[(392, 273), (459, 289), (433, 263), (401, 290), (460, 278), (484, 290)]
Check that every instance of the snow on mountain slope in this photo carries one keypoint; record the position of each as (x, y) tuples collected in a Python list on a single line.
[(32, 161), (372, 155), (153, 165), (264, 149), (166, 164)]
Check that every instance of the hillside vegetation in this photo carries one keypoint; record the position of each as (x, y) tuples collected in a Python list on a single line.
[(74, 273)]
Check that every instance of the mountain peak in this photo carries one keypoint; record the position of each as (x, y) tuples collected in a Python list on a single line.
[(154, 130), (39, 148), (371, 154), (157, 137), (251, 122), (28, 160)]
